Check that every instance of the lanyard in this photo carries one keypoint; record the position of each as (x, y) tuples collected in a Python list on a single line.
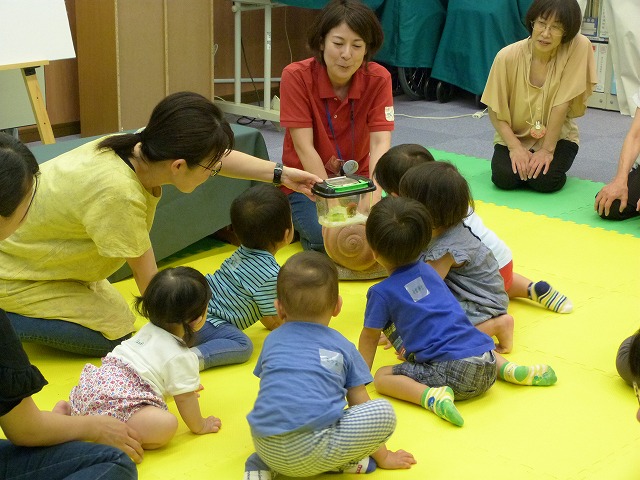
[(333, 133)]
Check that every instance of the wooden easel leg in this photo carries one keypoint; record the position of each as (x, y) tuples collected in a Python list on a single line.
[(37, 105)]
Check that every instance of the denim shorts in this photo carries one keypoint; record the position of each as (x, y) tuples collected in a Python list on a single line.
[(467, 377)]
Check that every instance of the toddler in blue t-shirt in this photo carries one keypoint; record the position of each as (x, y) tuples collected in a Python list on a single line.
[(446, 357), (299, 423)]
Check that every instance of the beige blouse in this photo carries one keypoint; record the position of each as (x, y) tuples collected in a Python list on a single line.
[(571, 77)]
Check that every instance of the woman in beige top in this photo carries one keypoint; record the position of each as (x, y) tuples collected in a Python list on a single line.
[(535, 89)]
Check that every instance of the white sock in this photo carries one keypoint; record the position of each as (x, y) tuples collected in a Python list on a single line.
[(257, 475)]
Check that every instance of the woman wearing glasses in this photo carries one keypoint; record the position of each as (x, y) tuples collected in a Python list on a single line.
[(93, 211), (535, 90)]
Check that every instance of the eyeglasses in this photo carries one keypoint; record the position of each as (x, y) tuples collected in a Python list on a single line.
[(35, 189), (217, 166), (636, 391), (541, 26)]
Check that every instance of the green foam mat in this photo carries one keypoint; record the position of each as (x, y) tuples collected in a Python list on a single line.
[(573, 203)]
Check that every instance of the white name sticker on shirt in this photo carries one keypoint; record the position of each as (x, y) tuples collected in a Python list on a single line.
[(388, 113), (417, 289), (332, 361)]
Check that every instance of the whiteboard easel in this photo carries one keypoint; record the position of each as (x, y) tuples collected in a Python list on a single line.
[(47, 38), (28, 70)]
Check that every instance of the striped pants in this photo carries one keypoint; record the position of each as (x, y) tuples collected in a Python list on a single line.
[(359, 433)]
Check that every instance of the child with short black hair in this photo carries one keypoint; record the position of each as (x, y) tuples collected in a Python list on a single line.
[(628, 359), (446, 358), (633, 356), (388, 172), (299, 423), (156, 362), (628, 364), (244, 287), (396, 161), (465, 264)]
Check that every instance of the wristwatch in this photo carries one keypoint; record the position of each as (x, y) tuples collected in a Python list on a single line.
[(277, 175)]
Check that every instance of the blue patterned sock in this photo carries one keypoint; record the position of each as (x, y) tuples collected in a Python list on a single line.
[(549, 297)]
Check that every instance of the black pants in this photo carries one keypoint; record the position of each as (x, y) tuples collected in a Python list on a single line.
[(633, 184), (503, 177)]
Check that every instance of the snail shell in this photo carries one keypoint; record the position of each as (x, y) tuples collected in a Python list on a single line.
[(348, 246)]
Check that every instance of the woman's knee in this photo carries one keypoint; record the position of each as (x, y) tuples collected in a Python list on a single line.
[(547, 184), (315, 244), (305, 222), (505, 180), (502, 174), (615, 213)]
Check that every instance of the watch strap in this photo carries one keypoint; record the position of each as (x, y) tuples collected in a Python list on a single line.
[(277, 174)]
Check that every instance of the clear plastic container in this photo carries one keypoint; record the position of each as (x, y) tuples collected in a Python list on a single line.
[(343, 201)]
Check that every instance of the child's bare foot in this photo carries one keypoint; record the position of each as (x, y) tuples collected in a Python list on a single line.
[(504, 333), (62, 408)]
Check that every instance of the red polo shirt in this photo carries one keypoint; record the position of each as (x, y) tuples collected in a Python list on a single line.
[(306, 95)]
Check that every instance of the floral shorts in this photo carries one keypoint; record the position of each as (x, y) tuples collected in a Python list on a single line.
[(114, 389)]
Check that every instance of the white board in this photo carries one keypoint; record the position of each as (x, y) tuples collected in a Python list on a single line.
[(31, 31), (34, 30)]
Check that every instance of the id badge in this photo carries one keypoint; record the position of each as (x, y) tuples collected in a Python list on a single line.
[(341, 167), (333, 165)]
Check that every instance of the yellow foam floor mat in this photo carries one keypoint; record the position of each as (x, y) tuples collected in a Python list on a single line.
[(584, 427)]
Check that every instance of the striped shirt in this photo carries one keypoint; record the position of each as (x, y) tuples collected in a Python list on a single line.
[(243, 289)]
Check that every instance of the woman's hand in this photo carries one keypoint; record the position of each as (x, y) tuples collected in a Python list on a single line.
[(616, 190), (299, 180), (520, 158), (539, 162), (113, 432), (28, 426)]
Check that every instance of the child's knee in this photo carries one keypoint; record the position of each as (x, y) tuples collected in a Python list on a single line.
[(246, 351), (381, 374), (505, 321), (386, 411), (156, 427)]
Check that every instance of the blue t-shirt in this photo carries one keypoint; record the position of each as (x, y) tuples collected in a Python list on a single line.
[(243, 288), (305, 370), (433, 326)]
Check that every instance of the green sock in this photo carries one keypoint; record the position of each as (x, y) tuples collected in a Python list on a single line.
[(535, 375), (440, 401), (549, 297)]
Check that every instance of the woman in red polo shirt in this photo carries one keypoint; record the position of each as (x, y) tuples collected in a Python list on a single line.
[(337, 106)]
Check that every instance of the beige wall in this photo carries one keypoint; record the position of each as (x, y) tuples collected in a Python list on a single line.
[(61, 76)]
